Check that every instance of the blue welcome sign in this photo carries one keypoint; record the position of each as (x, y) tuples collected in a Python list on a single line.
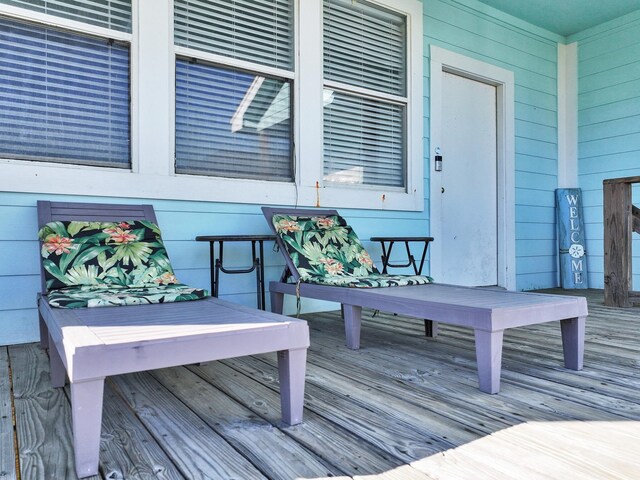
[(571, 238)]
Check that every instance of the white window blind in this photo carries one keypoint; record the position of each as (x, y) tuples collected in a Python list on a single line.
[(364, 46), (231, 123), (365, 108), (364, 141), (112, 14), (257, 31), (63, 97)]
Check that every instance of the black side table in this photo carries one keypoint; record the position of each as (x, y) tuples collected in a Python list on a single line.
[(217, 264), (430, 327), (411, 261)]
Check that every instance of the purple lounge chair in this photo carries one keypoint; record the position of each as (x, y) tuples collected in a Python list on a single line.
[(487, 312), (89, 344)]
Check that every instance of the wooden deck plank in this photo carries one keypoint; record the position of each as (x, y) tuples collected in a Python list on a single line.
[(405, 441), (43, 418), (404, 472), (126, 450), (333, 442), (7, 452), (442, 431), (556, 450), (195, 449), (270, 450), (369, 414), (537, 349), (419, 366)]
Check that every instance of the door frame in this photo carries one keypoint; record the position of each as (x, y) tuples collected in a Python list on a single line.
[(446, 61)]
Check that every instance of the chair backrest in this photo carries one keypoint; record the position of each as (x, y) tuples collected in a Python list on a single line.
[(319, 245), (269, 212), (68, 211)]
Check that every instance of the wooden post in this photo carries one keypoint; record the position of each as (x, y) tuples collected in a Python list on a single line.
[(618, 226)]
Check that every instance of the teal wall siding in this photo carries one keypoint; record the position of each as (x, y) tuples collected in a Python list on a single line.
[(475, 30), (467, 27), (608, 125), (180, 222)]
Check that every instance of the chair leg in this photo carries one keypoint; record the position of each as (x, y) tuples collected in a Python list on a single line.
[(573, 342), (56, 367), (44, 333), (277, 302), (489, 359), (430, 328), (292, 366), (352, 325), (86, 415)]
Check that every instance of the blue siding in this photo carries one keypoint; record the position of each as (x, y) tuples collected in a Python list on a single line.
[(477, 31), (609, 125)]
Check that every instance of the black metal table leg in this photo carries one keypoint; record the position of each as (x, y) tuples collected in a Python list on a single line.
[(257, 260)]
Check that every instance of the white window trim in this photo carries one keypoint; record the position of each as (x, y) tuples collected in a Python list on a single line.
[(152, 172), (32, 16), (312, 190)]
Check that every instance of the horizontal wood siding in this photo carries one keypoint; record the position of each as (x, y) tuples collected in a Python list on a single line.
[(609, 147), (608, 125), (475, 30)]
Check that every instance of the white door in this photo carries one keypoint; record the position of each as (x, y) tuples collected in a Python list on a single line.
[(468, 183)]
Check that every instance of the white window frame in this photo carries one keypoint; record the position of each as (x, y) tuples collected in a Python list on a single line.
[(310, 141), (152, 174)]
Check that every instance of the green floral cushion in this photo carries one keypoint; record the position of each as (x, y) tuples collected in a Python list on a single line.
[(103, 256), (326, 250), (109, 296), (374, 280)]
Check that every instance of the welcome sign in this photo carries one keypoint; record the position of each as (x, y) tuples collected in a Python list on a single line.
[(571, 238)]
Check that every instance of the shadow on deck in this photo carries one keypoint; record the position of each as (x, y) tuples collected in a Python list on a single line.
[(403, 407)]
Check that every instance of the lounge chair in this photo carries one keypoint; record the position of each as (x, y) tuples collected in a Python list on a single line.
[(315, 241), (157, 323)]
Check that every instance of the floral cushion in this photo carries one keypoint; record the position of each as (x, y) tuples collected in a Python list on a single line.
[(103, 256), (109, 296), (326, 250), (374, 280)]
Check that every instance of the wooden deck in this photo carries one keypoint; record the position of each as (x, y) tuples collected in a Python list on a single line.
[(403, 407)]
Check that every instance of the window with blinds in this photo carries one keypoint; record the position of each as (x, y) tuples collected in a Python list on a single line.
[(364, 141), (233, 122), (257, 31), (64, 97), (365, 58), (111, 14)]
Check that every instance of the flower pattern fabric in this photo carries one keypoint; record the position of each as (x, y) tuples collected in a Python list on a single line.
[(108, 263), (110, 296), (375, 280), (326, 250)]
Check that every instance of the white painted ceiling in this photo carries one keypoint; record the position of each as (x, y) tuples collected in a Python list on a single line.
[(565, 17)]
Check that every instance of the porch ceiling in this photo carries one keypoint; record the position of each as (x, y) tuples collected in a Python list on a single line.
[(565, 17)]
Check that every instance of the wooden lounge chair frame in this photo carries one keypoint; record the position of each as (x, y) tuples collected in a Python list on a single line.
[(488, 312), (92, 343)]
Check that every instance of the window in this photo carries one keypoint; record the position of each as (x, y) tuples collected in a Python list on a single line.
[(298, 102), (365, 75), (64, 96), (111, 14), (233, 114), (231, 123)]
